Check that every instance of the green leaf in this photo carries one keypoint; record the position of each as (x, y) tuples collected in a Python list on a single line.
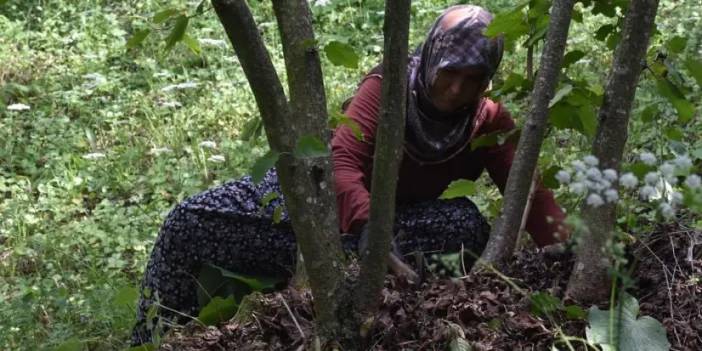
[(604, 31), (650, 113), (126, 296), (252, 129), (218, 310), (538, 35), (164, 15), (512, 82), (459, 188), (588, 120), (192, 44), (338, 119), (341, 54), (268, 198), (613, 40), (263, 164), (549, 177), (572, 57), (256, 283), (485, 140), (676, 44), (511, 24), (277, 214), (460, 344), (309, 146), (639, 169), (72, 344), (685, 109), (674, 133), (630, 333), (575, 312), (543, 304), (177, 32), (138, 38), (697, 153), (694, 67), (563, 91)]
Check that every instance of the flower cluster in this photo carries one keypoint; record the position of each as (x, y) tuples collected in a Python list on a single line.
[(598, 186)]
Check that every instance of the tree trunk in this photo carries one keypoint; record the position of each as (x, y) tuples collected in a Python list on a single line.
[(504, 234), (306, 183), (388, 154), (589, 281)]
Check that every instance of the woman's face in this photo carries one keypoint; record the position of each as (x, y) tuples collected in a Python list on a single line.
[(454, 88)]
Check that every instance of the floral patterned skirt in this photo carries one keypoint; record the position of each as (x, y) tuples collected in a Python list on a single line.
[(228, 227)]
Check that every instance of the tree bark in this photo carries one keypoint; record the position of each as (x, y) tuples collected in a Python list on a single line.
[(306, 183), (504, 234), (387, 156), (589, 281)]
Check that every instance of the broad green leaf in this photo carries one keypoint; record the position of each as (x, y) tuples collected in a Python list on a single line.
[(126, 296), (694, 67), (218, 310), (606, 8), (604, 31), (337, 119), (563, 91), (164, 15), (692, 199), (192, 44), (549, 177), (309, 146), (177, 32), (613, 40), (543, 304), (262, 165), (200, 7), (256, 283), (341, 54), (277, 214), (575, 312), (685, 109), (484, 140), (676, 44), (639, 169), (650, 113), (630, 333), (268, 198), (588, 120), (510, 23), (697, 153), (538, 35), (459, 188), (674, 133), (512, 82), (460, 344), (137, 38), (72, 344), (572, 57)]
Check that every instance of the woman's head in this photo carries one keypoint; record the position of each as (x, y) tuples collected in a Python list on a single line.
[(457, 61)]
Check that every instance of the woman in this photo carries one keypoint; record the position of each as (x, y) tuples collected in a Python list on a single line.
[(227, 227)]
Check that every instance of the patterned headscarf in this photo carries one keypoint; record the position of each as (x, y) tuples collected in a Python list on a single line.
[(432, 136)]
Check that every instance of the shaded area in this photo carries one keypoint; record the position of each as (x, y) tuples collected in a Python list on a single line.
[(492, 313)]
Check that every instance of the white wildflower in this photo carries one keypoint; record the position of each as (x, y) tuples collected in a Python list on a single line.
[(595, 200), (563, 177), (594, 173), (628, 180), (647, 192), (647, 158), (216, 158), (676, 198), (667, 211), (578, 188), (579, 165), (18, 107), (213, 42), (683, 162), (94, 156), (611, 195), (610, 174), (693, 181), (591, 160), (321, 2), (179, 86), (171, 104), (208, 144), (651, 178), (667, 169), (159, 150)]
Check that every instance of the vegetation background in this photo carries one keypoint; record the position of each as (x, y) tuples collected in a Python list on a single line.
[(114, 137)]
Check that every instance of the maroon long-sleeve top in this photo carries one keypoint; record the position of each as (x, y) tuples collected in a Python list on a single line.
[(353, 163)]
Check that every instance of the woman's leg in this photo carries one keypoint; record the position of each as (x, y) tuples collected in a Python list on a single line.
[(225, 226)]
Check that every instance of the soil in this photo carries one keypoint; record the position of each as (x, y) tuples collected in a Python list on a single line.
[(488, 310)]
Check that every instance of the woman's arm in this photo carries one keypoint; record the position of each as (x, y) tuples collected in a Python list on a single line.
[(353, 158)]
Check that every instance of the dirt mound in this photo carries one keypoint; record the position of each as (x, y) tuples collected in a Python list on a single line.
[(492, 312)]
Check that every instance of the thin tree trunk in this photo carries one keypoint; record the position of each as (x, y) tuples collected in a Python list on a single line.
[(306, 183), (589, 281), (388, 154), (503, 236)]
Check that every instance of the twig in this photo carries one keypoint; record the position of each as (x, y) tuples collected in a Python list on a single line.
[(291, 315)]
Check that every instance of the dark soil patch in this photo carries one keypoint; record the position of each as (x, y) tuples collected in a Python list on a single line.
[(490, 311)]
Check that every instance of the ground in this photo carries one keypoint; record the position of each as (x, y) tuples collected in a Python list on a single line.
[(491, 311)]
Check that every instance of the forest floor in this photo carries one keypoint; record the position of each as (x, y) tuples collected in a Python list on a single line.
[(493, 312)]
